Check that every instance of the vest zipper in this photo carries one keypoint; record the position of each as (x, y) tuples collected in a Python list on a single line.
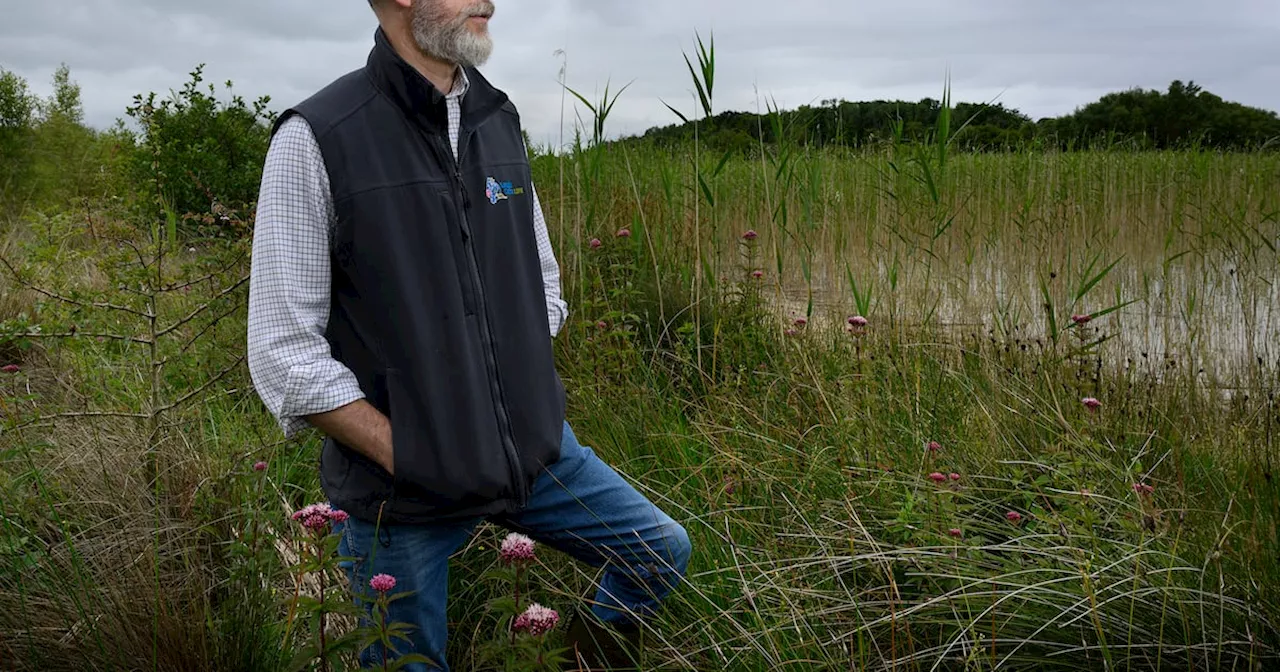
[(486, 329)]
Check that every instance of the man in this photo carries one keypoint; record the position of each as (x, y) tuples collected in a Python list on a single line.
[(403, 300)]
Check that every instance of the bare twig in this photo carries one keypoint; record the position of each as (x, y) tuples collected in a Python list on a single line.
[(193, 393), (212, 323), (197, 281), (81, 415), (58, 297), (77, 334), (201, 308)]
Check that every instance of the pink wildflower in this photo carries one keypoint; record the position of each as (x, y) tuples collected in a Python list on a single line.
[(1081, 319), (316, 517), (1013, 517), (800, 322), (260, 466), (750, 235), (624, 233), (955, 476), (792, 332), (858, 322), (595, 243), (1091, 403), (602, 325), (937, 477), (955, 532), (537, 620), (11, 368), (757, 274), (516, 548), (1143, 488), (934, 446), (383, 583)]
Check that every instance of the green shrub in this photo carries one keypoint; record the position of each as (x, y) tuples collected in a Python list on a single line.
[(195, 151), (17, 116)]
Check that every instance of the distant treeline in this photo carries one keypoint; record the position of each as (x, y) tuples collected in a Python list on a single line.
[(1183, 116)]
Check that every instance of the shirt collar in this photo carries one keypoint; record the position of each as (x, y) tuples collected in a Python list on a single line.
[(461, 83)]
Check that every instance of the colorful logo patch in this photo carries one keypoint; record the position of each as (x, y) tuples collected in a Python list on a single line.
[(500, 191)]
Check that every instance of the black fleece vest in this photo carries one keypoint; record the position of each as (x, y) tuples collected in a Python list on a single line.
[(438, 304)]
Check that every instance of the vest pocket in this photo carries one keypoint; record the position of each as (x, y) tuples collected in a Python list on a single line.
[(447, 451)]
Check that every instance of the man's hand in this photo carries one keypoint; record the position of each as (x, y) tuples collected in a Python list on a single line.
[(362, 427)]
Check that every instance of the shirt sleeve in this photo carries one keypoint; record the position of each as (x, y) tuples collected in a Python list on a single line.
[(289, 358), (557, 308)]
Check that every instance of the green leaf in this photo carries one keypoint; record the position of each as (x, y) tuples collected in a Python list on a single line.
[(1091, 282), (677, 112), (723, 161), (409, 659), (303, 659), (171, 229), (503, 605), (706, 191)]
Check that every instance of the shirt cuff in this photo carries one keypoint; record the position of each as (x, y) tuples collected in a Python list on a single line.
[(317, 387)]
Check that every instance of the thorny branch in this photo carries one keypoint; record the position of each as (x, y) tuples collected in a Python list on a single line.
[(58, 297)]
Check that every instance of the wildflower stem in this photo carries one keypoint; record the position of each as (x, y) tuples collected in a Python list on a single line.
[(324, 660), (382, 627)]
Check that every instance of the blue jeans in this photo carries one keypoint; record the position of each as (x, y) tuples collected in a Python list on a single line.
[(579, 506)]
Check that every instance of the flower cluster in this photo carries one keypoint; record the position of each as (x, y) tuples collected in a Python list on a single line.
[(383, 583), (1081, 319), (316, 517), (516, 548), (1091, 403), (1143, 489), (11, 368), (536, 620)]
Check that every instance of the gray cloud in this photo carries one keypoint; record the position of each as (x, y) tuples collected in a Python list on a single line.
[(1044, 58)]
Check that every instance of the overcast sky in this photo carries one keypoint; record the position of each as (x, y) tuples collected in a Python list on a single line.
[(1044, 57)]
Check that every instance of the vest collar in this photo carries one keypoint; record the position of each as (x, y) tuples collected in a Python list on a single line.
[(418, 98)]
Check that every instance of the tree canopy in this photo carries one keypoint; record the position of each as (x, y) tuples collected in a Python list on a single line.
[(1184, 115)]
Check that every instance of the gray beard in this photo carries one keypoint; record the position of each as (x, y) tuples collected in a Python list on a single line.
[(447, 38)]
